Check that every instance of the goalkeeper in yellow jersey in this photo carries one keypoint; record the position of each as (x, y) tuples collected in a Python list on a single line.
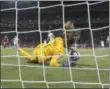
[(46, 52)]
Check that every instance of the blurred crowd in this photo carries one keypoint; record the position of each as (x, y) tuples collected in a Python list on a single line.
[(53, 19)]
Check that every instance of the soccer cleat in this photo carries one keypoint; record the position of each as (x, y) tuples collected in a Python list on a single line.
[(67, 65)]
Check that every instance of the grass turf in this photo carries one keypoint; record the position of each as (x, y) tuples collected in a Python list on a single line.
[(82, 73)]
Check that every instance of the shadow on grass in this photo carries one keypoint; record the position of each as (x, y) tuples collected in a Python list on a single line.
[(47, 65)]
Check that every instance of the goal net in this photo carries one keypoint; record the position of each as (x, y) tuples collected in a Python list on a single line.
[(84, 24)]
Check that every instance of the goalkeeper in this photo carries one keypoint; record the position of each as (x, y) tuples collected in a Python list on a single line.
[(45, 53)]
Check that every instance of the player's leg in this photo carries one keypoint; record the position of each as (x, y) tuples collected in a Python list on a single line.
[(58, 49), (31, 58), (35, 57), (54, 62), (15, 46), (24, 53), (4, 45), (41, 57), (39, 52), (71, 62)]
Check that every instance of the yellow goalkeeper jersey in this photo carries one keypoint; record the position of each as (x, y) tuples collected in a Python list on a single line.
[(54, 47), (46, 52)]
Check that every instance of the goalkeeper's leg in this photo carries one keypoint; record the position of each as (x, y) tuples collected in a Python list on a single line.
[(27, 55), (39, 51), (54, 62)]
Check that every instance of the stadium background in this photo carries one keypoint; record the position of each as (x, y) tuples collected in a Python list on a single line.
[(51, 18)]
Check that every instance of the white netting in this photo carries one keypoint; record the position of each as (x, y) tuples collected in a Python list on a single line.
[(72, 81)]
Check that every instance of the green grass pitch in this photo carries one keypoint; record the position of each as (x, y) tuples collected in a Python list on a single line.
[(84, 72)]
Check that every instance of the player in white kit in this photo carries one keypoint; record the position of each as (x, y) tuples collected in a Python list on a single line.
[(16, 42), (50, 36), (107, 41), (102, 43)]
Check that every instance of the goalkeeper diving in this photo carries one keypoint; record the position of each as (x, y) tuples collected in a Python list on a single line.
[(51, 53)]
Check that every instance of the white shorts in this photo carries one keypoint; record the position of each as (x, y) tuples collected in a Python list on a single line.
[(15, 46)]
